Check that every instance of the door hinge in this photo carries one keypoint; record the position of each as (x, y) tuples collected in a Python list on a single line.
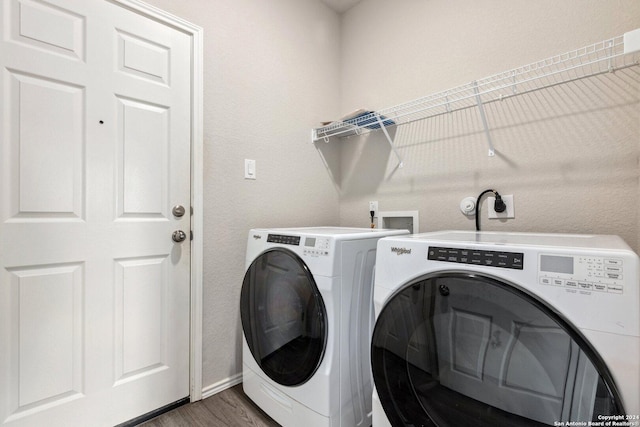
[(191, 234)]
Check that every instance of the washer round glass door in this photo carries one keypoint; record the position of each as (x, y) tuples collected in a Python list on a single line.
[(283, 317), (460, 349)]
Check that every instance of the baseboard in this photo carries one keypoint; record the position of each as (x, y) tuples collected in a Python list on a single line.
[(212, 389)]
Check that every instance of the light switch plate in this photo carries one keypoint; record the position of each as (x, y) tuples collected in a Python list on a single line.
[(249, 169)]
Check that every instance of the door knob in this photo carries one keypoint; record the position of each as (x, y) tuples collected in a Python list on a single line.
[(178, 211), (178, 236)]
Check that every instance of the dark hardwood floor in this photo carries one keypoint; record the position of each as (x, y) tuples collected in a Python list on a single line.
[(227, 408)]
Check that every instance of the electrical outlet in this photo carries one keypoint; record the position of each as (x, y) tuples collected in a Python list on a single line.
[(508, 213), (373, 206)]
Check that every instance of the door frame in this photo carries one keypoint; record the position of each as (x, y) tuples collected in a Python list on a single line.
[(197, 78)]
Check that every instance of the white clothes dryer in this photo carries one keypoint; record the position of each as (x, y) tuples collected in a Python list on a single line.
[(506, 329), (307, 316)]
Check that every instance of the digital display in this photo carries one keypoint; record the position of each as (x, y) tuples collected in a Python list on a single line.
[(556, 264), (310, 242)]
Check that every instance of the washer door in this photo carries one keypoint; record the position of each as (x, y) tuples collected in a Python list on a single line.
[(457, 349), (283, 317)]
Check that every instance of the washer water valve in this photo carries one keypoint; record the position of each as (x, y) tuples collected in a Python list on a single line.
[(468, 206)]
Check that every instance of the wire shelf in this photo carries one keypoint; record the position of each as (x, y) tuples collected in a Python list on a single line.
[(603, 57)]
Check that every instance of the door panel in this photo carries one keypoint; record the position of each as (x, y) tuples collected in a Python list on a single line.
[(47, 178), (470, 332), (142, 162), (94, 152), (48, 320), (140, 345), (64, 32), (143, 58)]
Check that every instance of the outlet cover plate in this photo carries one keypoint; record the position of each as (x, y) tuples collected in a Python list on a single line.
[(508, 213)]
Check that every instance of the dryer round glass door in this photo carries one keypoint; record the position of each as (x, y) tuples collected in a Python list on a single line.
[(283, 317), (460, 349)]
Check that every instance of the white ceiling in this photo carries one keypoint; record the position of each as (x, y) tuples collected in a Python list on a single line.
[(341, 5)]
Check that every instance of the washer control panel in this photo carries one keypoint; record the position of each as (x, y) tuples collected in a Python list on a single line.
[(514, 260), (582, 274), (316, 246)]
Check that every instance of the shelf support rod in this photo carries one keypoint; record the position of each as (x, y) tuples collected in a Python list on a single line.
[(484, 119), (393, 148)]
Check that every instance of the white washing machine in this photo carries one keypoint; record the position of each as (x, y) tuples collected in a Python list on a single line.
[(505, 329), (307, 317)]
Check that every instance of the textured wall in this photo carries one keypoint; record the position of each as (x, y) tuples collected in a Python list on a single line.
[(270, 74), (568, 154), (274, 69)]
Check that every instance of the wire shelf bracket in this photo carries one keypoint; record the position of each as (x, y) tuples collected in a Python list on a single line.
[(600, 58), (483, 117), (386, 134)]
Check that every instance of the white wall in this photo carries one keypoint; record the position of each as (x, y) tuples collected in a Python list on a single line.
[(569, 154), (270, 74), (274, 69)]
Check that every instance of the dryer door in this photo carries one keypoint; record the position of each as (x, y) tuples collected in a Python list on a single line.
[(283, 317), (459, 349)]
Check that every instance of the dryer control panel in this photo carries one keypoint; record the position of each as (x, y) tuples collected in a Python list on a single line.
[(583, 274)]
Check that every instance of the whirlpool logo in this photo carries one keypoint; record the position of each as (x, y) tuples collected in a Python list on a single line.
[(400, 251)]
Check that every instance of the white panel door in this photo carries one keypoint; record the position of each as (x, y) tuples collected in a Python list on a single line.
[(94, 153)]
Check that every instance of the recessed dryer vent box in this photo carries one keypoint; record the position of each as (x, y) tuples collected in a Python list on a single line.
[(400, 220)]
